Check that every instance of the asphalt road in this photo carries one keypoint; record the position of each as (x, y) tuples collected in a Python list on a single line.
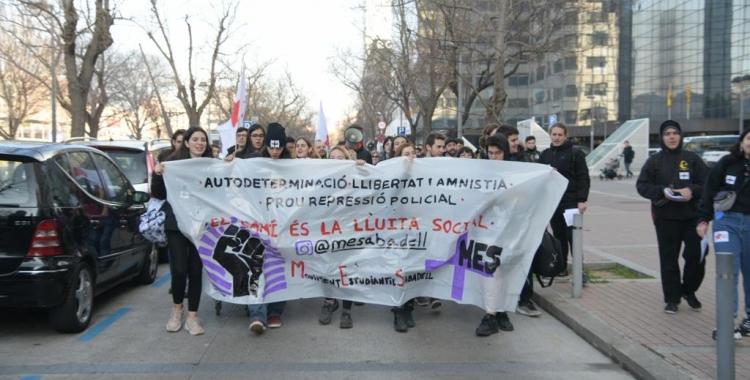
[(127, 340)]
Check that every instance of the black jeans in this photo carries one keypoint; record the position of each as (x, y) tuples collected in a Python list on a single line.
[(346, 304), (562, 232), (528, 289), (186, 263), (671, 234)]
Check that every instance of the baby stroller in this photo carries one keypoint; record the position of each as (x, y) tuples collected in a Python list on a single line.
[(610, 169)]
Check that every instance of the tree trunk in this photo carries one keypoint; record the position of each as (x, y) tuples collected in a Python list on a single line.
[(497, 103)]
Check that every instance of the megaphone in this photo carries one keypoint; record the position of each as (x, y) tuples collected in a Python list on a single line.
[(354, 135)]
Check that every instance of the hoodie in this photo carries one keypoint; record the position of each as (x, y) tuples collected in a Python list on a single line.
[(577, 174), (672, 168)]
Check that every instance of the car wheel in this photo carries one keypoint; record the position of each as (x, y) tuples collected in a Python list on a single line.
[(148, 270), (74, 314)]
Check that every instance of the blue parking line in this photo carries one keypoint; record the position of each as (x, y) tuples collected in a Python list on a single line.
[(32, 377), (96, 330), (162, 280)]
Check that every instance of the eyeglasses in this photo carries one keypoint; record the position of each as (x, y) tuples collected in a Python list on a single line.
[(257, 136), (242, 135)]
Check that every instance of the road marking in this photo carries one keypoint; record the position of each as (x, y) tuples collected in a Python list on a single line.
[(103, 325), (32, 377), (162, 280)]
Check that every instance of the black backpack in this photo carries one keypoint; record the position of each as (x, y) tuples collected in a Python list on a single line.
[(548, 260)]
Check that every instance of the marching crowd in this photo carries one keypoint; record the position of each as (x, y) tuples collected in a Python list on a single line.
[(682, 191)]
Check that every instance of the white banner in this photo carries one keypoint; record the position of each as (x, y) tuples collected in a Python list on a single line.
[(272, 230)]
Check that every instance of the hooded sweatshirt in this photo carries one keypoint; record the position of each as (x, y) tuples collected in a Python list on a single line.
[(577, 173), (672, 168)]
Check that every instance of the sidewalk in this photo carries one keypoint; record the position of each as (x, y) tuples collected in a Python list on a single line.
[(625, 318)]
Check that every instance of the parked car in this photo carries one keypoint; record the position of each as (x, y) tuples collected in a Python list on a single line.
[(136, 159), (653, 151), (68, 230)]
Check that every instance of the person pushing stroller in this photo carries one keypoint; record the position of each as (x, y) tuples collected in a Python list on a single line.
[(610, 169)]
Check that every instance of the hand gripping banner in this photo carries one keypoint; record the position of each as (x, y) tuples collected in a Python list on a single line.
[(272, 230)]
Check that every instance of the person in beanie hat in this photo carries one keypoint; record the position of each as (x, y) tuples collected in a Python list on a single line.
[(354, 138), (673, 180), (276, 142)]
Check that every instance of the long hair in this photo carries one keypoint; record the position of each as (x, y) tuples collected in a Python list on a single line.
[(402, 147), (340, 149), (175, 135), (735, 152), (313, 152), (183, 152), (249, 148), (387, 153)]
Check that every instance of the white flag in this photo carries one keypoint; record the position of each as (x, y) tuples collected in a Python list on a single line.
[(321, 134), (228, 130)]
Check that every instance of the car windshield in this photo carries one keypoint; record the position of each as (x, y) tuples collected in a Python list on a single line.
[(17, 182), (131, 162)]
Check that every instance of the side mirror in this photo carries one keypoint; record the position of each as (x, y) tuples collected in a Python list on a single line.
[(140, 197)]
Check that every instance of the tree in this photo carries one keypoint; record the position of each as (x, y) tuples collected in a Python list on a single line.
[(21, 93), (187, 93)]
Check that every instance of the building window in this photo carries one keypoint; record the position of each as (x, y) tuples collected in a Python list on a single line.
[(540, 72), (571, 63), (518, 103), (570, 41), (558, 66), (600, 39), (570, 117), (557, 93), (585, 114), (518, 80), (592, 62), (571, 90), (571, 18), (596, 89), (597, 17)]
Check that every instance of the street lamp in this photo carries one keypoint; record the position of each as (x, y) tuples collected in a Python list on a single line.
[(741, 82)]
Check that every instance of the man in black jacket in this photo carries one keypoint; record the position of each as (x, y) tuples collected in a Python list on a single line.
[(358, 146), (571, 163), (628, 154), (673, 180)]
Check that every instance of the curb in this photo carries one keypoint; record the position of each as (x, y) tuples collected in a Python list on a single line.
[(632, 356)]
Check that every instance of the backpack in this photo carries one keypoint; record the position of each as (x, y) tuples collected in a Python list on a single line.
[(151, 225), (548, 260)]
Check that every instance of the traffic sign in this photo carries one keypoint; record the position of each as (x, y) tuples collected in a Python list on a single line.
[(381, 125), (247, 123), (552, 119), (401, 131)]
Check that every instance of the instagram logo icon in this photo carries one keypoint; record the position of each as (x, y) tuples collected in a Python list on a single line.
[(304, 247)]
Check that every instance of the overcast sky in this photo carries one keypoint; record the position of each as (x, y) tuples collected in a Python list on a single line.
[(300, 34)]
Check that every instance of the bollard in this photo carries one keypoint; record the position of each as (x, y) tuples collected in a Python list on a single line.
[(725, 315), (577, 248)]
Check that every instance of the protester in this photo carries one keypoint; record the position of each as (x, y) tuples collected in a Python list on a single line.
[(184, 256), (465, 152), (240, 137), (451, 147), (375, 157), (628, 154), (216, 150), (387, 149), (731, 173), (177, 139), (397, 142), (531, 150), (571, 164), (489, 130), (257, 135), (673, 180), (303, 148), (339, 153), (322, 149), (361, 153), (403, 317), (262, 315), (497, 148), (290, 144), (459, 144), (435, 144), (516, 152)]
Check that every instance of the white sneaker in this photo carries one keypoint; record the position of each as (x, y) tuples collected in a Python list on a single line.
[(193, 326), (175, 321)]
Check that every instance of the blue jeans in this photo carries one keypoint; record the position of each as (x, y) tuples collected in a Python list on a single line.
[(263, 311), (737, 228), (627, 169)]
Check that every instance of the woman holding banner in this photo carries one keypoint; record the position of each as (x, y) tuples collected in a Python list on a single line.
[(186, 263)]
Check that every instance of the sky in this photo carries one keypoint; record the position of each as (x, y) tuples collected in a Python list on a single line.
[(300, 35)]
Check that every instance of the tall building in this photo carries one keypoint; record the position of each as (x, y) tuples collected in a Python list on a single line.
[(686, 53)]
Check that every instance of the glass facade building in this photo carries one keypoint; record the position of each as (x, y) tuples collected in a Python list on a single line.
[(689, 51)]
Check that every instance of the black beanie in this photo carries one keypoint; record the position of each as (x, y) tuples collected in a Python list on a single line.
[(275, 136), (670, 124)]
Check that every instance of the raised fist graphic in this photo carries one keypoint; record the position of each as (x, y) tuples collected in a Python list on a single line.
[(242, 256)]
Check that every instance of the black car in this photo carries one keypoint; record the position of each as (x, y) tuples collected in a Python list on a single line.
[(68, 230)]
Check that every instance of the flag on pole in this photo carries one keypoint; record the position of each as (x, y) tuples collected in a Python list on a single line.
[(669, 102), (228, 129), (687, 98), (321, 133)]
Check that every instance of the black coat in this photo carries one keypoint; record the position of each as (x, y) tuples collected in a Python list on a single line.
[(727, 170), (676, 169), (628, 154), (364, 154), (577, 174), (159, 191)]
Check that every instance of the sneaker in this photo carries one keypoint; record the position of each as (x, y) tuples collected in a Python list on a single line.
[(671, 308), (274, 321), (399, 320), (326, 312), (175, 320), (488, 326), (692, 301), (422, 301), (528, 309), (346, 319), (435, 303), (193, 326), (257, 326), (744, 327), (563, 274), (503, 322)]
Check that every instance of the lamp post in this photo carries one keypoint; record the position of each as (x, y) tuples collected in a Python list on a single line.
[(741, 82)]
